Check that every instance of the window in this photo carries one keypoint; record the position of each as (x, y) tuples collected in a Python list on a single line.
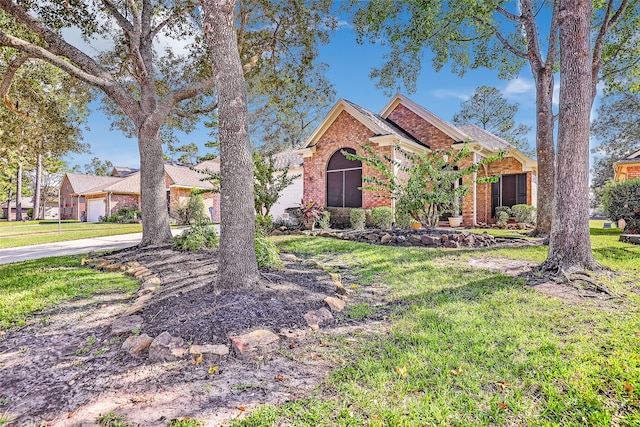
[(509, 190), (344, 177)]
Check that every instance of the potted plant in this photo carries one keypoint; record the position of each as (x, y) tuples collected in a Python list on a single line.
[(310, 212), (455, 219)]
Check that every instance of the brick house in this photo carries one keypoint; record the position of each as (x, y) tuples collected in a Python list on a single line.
[(90, 198), (627, 168), (333, 181)]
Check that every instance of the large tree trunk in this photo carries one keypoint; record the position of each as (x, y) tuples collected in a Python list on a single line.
[(570, 245), (545, 151), (238, 267), (155, 216), (38, 189), (19, 193)]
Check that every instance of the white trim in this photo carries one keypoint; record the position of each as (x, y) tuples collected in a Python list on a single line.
[(306, 152), (404, 143)]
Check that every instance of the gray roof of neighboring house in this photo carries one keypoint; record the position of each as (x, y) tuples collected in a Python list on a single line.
[(184, 176), (212, 165), (27, 203), (123, 171), (631, 158), (81, 183), (485, 138), (129, 184), (287, 160), (387, 125)]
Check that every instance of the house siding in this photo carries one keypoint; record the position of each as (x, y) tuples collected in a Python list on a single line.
[(344, 132)]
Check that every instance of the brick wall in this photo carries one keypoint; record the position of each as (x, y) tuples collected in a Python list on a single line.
[(422, 130), (633, 172), (119, 201), (344, 132)]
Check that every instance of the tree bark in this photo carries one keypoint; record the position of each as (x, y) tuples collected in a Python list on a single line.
[(570, 244), (545, 151), (38, 189), (19, 193), (9, 197), (238, 266), (155, 216)]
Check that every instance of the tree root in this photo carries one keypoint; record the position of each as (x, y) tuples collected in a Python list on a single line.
[(583, 276)]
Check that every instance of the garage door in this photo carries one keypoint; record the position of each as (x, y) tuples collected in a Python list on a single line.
[(95, 209)]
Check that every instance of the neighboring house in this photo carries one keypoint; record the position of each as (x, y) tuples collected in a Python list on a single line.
[(27, 203), (333, 181), (292, 195), (90, 198), (627, 168)]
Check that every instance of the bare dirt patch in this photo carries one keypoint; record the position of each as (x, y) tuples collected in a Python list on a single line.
[(573, 291), (66, 369)]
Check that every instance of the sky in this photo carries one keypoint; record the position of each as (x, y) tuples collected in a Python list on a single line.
[(349, 67)]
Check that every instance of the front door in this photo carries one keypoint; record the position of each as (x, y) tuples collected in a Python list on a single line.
[(509, 190)]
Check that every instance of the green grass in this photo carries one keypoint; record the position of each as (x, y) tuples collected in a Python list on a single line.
[(30, 286), (470, 347), (15, 234)]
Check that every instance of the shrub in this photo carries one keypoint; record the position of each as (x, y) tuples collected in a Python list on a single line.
[(358, 217), (404, 220), (310, 211), (502, 217), (198, 236), (325, 220), (267, 254), (505, 209), (264, 223), (124, 215), (524, 213), (621, 200), (191, 212), (382, 217)]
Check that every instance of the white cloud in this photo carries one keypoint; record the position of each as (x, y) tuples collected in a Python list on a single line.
[(519, 86), (556, 93), (448, 93)]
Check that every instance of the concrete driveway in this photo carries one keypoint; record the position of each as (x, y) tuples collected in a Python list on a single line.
[(71, 247)]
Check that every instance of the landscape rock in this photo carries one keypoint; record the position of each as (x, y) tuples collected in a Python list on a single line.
[(430, 240), (255, 343), (293, 334), (316, 318), (217, 349), (166, 348), (136, 344), (125, 325), (451, 244), (152, 281), (113, 267), (414, 239), (385, 238), (444, 238), (138, 305), (335, 304)]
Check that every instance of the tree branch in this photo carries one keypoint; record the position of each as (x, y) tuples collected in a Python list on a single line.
[(7, 79), (169, 20), (205, 110), (126, 26), (502, 39), (510, 15)]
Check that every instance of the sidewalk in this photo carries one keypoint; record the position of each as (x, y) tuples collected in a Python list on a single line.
[(71, 247)]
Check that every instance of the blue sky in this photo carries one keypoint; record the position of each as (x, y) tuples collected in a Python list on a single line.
[(349, 68)]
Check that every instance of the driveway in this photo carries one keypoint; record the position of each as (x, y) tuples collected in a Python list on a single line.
[(71, 247)]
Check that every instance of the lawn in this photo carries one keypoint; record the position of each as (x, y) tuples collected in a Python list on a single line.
[(30, 286), (470, 347), (15, 234)]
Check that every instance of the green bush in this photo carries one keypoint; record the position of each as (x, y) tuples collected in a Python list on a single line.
[(325, 220), (501, 217), (358, 216), (267, 254), (382, 217), (404, 220), (621, 200), (124, 215), (191, 212), (198, 236), (264, 223), (505, 209), (524, 213)]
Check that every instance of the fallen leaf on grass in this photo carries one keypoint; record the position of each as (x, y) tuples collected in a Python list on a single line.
[(241, 408), (213, 369), (503, 385), (456, 372), (315, 356), (279, 377), (293, 345), (402, 371), (197, 360), (503, 405), (70, 414), (628, 387)]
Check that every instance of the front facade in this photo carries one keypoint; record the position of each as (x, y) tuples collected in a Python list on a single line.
[(91, 198), (333, 181), (627, 168)]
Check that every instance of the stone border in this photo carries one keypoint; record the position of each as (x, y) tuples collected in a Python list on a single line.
[(166, 348)]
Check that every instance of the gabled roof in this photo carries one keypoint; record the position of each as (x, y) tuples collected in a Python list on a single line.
[(378, 125), (212, 165), (427, 115), (127, 185), (81, 183), (122, 171), (631, 158), (486, 138), (183, 176)]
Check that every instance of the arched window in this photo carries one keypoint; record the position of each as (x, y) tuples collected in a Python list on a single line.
[(344, 177)]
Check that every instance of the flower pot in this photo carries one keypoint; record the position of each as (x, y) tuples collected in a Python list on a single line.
[(416, 225), (310, 225), (455, 221)]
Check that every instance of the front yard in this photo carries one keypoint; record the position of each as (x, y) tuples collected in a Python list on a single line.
[(428, 338)]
